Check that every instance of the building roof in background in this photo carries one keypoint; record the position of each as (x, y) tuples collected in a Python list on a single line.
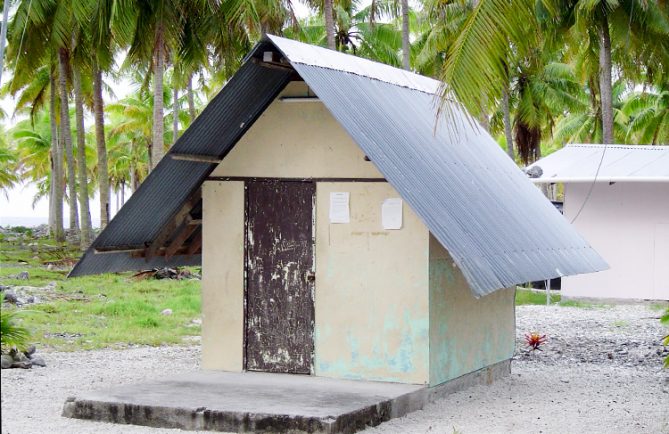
[(619, 163), (499, 229)]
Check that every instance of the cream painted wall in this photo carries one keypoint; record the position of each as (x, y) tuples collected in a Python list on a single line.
[(371, 290), (466, 333), (627, 223), (223, 275), (297, 139)]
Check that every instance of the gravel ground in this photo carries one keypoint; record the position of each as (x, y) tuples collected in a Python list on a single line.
[(599, 372)]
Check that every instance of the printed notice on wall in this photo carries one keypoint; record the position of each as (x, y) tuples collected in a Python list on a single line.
[(391, 213), (339, 210)]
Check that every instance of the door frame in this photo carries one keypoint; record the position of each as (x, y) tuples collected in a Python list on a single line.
[(312, 287)]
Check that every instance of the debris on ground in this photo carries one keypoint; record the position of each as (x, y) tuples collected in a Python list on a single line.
[(176, 273)]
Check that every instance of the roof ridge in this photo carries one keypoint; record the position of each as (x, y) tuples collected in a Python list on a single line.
[(627, 146)]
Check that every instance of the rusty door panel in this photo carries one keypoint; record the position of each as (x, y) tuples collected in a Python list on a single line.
[(279, 293)]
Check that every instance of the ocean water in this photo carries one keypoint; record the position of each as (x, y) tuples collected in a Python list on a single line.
[(31, 221)]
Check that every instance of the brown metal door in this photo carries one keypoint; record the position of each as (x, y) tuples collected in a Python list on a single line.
[(279, 277)]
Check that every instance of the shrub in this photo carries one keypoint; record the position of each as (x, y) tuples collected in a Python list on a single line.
[(12, 335)]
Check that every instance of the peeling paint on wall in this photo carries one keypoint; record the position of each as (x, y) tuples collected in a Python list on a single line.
[(371, 291), (466, 333)]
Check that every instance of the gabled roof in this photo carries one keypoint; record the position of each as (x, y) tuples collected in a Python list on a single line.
[(499, 228), (617, 163)]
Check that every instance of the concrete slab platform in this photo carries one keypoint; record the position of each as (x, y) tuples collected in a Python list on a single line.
[(262, 402)]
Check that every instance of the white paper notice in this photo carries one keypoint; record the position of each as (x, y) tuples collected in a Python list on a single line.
[(391, 213), (339, 210)]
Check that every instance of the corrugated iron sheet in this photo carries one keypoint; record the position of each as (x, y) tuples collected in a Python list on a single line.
[(498, 227), (220, 125), (619, 163)]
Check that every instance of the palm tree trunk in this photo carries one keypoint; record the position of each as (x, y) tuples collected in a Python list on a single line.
[(103, 173), (507, 123), (406, 47), (81, 154), (329, 23), (133, 187), (605, 85), (3, 35), (57, 173), (175, 113), (122, 193), (157, 140), (191, 98), (66, 133)]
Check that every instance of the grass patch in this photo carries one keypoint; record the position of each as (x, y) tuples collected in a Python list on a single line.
[(659, 306), (531, 297), (538, 297), (110, 310), (582, 304)]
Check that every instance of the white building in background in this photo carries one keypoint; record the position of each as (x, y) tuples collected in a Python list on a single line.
[(623, 214)]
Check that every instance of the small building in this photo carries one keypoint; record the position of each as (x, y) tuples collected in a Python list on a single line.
[(342, 231), (617, 197)]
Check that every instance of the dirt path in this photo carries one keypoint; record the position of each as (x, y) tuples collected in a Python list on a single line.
[(598, 373)]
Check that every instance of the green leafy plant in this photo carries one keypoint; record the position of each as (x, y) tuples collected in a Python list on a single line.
[(12, 335), (665, 320)]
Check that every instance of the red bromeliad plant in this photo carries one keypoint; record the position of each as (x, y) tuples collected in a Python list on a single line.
[(535, 340)]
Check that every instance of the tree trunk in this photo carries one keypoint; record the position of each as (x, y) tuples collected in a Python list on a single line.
[(103, 173), (81, 154), (133, 187), (175, 113), (157, 139), (191, 98), (66, 134), (57, 175), (507, 123), (122, 193), (605, 85), (329, 23), (406, 47), (3, 35)]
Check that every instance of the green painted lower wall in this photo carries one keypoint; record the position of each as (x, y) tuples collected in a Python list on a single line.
[(466, 334)]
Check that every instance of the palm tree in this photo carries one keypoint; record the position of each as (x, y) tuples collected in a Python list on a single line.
[(158, 30), (86, 230), (33, 142), (406, 45), (132, 117), (31, 31), (649, 116), (66, 133), (476, 70), (328, 15), (584, 125), (8, 164)]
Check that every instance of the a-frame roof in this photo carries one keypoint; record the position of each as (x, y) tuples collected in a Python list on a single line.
[(499, 228)]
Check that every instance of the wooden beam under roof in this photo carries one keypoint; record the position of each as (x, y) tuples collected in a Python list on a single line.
[(166, 233), (184, 232)]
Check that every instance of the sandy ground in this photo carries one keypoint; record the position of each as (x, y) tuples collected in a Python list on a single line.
[(599, 373)]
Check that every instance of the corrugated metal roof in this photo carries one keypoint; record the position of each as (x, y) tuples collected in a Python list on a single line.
[(619, 163), (215, 131), (497, 226)]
